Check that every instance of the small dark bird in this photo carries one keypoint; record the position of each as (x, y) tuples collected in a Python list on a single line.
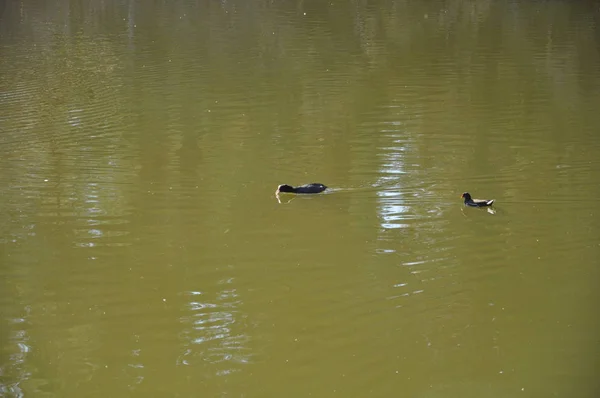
[(469, 201), (307, 188)]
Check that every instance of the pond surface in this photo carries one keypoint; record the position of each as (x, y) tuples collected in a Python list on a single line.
[(143, 251)]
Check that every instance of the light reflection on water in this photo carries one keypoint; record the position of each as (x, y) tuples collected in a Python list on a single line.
[(19, 351), (210, 333)]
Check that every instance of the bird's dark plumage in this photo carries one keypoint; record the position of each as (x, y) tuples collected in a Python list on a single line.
[(469, 201), (307, 188)]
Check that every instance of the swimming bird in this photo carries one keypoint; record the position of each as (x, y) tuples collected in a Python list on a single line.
[(307, 188), (469, 201)]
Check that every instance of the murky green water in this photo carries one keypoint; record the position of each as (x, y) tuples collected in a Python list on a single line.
[(143, 252)]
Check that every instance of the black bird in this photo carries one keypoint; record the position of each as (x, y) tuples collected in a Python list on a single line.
[(307, 188), (469, 201)]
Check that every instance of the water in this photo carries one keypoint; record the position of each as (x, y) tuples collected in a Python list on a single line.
[(143, 251)]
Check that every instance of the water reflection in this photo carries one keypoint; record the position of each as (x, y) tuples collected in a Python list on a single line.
[(17, 347), (212, 327), (392, 209), (98, 224), (135, 364), (392, 206)]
